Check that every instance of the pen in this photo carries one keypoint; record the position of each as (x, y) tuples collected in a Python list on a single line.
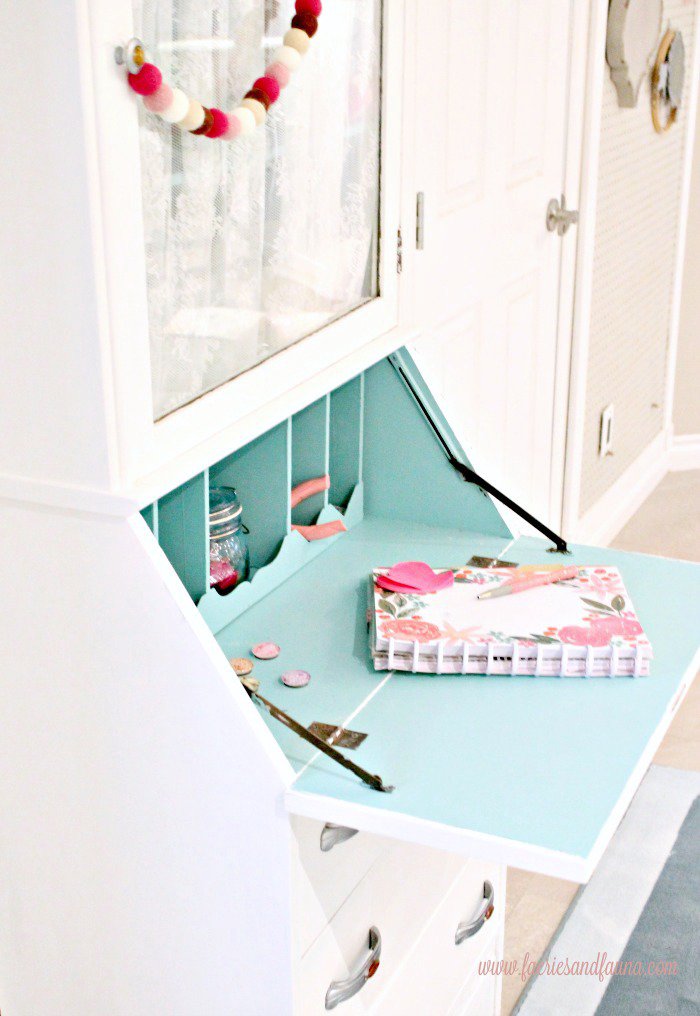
[(509, 587)]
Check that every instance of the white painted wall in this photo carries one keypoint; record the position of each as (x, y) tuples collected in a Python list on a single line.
[(144, 849), (686, 409), (640, 188)]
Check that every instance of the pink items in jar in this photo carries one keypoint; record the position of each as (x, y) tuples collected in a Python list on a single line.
[(228, 543)]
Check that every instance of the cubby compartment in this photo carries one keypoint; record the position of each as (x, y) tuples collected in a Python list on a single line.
[(324, 438), (260, 473), (183, 533), (310, 440)]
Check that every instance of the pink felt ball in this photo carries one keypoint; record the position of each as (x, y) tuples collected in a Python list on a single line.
[(280, 72), (270, 86), (160, 99), (234, 127), (219, 125), (308, 7), (147, 81)]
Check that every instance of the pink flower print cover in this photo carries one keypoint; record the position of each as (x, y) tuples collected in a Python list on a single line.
[(586, 626)]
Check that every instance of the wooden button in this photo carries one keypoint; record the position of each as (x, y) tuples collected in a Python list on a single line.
[(241, 665)]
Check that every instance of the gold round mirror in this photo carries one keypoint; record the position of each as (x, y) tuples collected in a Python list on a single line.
[(667, 81)]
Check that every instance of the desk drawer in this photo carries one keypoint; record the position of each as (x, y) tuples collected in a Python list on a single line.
[(479, 995), (324, 880), (436, 969), (400, 895), (397, 896)]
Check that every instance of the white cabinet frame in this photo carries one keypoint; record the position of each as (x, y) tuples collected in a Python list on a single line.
[(145, 446)]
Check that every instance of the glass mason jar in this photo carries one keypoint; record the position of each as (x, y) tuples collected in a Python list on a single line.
[(228, 542)]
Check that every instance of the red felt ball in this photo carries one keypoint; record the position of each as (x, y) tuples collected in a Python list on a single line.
[(270, 86), (307, 22), (147, 81), (219, 125), (309, 7)]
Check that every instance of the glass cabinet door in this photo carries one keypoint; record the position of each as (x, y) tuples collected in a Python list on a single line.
[(255, 243)]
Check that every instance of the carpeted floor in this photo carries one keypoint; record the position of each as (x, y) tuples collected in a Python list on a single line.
[(668, 930), (643, 902)]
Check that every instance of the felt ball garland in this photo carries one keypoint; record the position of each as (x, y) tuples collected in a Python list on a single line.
[(172, 105)]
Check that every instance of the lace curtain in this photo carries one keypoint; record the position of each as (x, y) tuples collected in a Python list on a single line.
[(253, 244)]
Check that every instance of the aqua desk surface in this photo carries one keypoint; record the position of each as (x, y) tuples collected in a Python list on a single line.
[(535, 772)]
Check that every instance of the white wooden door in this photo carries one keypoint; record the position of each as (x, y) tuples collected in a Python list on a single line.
[(491, 132)]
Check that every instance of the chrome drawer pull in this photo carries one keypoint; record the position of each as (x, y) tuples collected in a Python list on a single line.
[(332, 835), (468, 928), (341, 991)]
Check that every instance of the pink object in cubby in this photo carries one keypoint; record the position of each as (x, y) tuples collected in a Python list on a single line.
[(322, 531)]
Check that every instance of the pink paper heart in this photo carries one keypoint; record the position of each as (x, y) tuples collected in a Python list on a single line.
[(414, 577)]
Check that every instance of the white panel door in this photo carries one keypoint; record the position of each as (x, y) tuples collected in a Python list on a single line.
[(491, 128)]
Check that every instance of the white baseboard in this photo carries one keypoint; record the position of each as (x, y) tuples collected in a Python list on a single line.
[(684, 452), (618, 504)]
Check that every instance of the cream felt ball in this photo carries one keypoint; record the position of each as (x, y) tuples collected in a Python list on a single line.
[(246, 119), (288, 56), (179, 104), (298, 40), (256, 108), (193, 118)]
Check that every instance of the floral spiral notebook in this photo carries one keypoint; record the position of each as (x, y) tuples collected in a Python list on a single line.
[(584, 627)]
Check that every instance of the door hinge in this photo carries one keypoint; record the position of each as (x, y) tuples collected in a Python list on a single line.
[(420, 220), (399, 252)]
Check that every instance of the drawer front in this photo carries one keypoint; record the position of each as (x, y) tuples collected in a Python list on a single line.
[(397, 896), (436, 969), (479, 996), (322, 881)]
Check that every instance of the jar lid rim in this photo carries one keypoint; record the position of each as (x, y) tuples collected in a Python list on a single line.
[(226, 504), (227, 512)]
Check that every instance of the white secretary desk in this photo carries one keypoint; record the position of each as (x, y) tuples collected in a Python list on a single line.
[(163, 838)]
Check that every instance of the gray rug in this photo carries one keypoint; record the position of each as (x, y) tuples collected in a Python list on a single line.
[(668, 930), (642, 902)]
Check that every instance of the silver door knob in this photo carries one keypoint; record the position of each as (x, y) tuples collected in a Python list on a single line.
[(559, 217)]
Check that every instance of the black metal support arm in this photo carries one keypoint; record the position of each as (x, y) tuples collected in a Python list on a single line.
[(468, 474), (471, 477)]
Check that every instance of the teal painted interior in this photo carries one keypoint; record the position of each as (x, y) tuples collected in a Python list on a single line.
[(406, 473), (537, 760), (260, 472), (295, 553), (183, 532), (369, 427), (346, 424), (310, 448), (150, 514)]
